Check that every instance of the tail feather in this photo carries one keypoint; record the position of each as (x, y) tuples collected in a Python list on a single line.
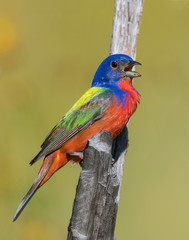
[(50, 165), (37, 183), (26, 199)]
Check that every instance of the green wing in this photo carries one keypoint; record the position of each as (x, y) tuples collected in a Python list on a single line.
[(88, 109)]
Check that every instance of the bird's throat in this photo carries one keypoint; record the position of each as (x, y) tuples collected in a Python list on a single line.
[(127, 86)]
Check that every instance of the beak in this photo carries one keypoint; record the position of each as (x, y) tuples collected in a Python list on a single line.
[(132, 74), (132, 63), (127, 70)]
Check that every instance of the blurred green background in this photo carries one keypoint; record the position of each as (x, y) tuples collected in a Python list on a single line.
[(49, 52)]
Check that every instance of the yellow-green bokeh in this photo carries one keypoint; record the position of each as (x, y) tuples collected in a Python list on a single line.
[(49, 51)]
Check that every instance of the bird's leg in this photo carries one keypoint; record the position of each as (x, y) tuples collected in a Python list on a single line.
[(75, 157), (80, 154)]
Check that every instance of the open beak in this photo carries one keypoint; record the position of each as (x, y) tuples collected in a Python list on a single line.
[(127, 70)]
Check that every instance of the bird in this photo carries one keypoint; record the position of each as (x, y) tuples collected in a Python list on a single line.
[(108, 104)]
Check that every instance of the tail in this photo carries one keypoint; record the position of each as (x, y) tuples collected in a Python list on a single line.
[(50, 165)]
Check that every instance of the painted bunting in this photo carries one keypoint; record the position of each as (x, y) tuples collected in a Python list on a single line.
[(108, 104)]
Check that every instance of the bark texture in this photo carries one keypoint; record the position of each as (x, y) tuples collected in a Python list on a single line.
[(95, 209)]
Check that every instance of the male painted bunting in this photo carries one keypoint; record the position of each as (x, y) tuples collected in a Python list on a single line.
[(108, 104)]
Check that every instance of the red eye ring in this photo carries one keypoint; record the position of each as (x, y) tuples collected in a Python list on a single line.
[(113, 64)]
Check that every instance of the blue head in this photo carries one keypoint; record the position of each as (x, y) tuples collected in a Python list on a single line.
[(113, 69)]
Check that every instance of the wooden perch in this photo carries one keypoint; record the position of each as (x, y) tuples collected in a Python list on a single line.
[(95, 205), (95, 208), (98, 191)]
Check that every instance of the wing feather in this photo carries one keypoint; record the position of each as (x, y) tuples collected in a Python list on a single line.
[(76, 120)]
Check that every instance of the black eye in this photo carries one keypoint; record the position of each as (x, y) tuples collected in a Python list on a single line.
[(113, 65)]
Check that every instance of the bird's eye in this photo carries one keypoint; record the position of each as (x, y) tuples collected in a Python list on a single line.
[(113, 65)]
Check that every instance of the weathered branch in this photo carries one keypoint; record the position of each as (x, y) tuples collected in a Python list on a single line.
[(98, 191), (94, 210), (127, 18)]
